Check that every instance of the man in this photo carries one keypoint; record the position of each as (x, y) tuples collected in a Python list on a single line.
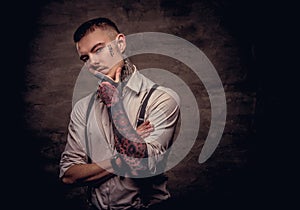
[(109, 148)]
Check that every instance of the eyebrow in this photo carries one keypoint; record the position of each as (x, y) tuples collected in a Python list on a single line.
[(93, 48), (96, 45)]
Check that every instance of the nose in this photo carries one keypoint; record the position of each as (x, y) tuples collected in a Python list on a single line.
[(94, 60)]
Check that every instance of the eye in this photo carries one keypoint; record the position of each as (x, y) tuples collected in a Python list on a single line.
[(84, 58), (99, 50)]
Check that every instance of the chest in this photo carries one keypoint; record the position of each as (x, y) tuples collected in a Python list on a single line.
[(99, 126)]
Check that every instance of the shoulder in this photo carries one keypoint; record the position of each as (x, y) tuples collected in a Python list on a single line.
[(80, 107), (168, 93), (161, 91), (164, 98)]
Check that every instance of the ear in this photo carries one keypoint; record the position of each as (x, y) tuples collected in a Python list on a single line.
[(121, 42)]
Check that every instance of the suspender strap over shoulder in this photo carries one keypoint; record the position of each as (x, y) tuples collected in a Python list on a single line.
[(141, 117), (86, 132)]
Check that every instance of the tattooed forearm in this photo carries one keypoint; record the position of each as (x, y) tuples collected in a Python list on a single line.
[(128, 143), (132, 144)]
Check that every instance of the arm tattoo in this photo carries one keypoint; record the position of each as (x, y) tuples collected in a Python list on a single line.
[(127, 142)]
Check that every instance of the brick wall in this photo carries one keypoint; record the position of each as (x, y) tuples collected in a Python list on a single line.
[(53, 66)]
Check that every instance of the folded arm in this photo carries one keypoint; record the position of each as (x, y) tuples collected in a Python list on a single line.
[(132, 148), (74, 167)]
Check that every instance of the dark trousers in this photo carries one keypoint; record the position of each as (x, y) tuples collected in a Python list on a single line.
[(164, 205)]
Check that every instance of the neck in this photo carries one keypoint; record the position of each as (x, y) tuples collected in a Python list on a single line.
[(127, 70)]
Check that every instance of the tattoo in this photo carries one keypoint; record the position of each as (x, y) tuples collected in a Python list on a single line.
[(110, 50), (131, 146)]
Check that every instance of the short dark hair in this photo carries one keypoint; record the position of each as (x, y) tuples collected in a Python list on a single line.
[(90, 25)]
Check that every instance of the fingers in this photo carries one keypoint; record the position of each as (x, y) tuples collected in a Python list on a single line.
[(144, 126), (147, 122), (105, 84), (108, 80), (102, 84), (146, 134), (145, 129)]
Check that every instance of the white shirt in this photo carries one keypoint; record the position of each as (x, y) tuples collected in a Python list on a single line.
[(122, 192)]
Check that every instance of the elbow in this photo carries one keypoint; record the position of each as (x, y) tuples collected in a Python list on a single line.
[(67, 180)]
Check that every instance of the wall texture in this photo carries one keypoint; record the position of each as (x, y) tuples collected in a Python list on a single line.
[(223, 30)]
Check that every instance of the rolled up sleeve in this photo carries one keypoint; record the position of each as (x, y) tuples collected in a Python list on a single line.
[(74, 152)]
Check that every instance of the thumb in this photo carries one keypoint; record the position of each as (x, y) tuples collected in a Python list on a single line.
[(118, 75)]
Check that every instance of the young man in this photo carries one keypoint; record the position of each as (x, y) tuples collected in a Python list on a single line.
[(109, 148)]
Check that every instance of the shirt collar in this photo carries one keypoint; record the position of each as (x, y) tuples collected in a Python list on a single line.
[(135, 82)]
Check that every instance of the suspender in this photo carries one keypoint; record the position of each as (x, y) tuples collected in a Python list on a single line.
[(141, 117), (140, 120), (86, 121)]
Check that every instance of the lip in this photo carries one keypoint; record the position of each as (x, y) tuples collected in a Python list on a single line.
[(101, 68), (97, 68)]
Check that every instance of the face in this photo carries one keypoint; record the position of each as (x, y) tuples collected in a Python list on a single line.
[(101, 53)]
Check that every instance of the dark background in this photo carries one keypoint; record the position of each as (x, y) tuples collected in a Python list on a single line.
[(249, 42)]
